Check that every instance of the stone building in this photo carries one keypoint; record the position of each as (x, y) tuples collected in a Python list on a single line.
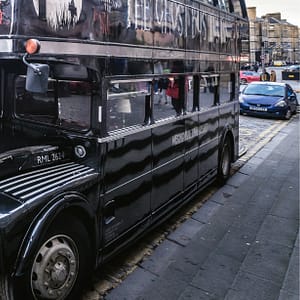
[(273, 39)]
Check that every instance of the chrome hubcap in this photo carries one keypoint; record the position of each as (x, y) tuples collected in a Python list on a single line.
[(55, 268)]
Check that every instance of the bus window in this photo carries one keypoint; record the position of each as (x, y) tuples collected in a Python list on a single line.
[(190, 105), (169, 100), (39, 107), (1, 97), (67, 103), (126, 103), (162, 107), (74, 103), (225, 88), (207, 92)]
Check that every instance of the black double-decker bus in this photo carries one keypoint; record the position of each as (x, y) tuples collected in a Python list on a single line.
[(113, 114)]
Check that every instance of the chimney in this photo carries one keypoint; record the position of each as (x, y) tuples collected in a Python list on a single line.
[(251, 13)]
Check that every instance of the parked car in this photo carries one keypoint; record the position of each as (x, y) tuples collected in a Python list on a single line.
[(268, 99), (293, 68), (291, 73), (248, 76)]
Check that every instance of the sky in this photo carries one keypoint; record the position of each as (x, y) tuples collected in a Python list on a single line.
[(289, 9)]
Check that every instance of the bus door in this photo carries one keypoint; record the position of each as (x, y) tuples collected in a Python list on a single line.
[(127, 162), (168, 136), (208, 128)]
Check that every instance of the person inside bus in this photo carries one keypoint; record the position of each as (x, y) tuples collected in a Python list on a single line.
[(173, 92)]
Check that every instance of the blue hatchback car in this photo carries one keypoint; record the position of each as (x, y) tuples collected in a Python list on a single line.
[(268, 99)]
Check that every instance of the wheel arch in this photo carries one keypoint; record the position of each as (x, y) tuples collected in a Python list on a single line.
[(67, 205)]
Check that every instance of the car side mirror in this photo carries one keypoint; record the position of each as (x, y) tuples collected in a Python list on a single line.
[(292, 97)]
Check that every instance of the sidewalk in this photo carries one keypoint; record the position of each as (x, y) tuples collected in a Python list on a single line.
[(242, 244)]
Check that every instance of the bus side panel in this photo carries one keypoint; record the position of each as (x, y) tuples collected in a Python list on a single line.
[(127, 180), (191, 156), (168, 159), (209, 142)]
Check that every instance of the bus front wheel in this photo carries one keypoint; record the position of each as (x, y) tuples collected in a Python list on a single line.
[(61, 262)]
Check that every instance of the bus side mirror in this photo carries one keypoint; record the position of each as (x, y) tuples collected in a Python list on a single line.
[(37, 78), (37, 74)]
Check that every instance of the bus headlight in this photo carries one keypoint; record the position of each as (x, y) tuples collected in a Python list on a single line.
[(80, 151)]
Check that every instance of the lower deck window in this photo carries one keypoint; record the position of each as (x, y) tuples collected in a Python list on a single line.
[(126, 103), (207, 91)]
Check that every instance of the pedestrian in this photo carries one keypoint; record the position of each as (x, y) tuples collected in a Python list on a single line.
[(265, 76), (273, 76), (173, 92), (163, 84)]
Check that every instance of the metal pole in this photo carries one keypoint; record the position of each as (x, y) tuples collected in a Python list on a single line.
[(263, 57)]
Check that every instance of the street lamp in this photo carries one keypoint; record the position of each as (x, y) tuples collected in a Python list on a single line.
[(263, 55)]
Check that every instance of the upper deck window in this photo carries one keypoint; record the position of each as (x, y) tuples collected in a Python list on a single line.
[(67, 103)]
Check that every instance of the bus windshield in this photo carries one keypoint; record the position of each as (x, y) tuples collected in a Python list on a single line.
[(67, 103)]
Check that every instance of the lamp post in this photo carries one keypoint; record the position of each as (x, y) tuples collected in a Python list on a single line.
[(263, 54)]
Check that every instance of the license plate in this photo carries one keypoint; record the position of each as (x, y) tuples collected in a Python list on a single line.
[(50, 157), (258, 108)]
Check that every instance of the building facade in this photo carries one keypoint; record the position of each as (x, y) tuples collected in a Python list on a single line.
[(273, 39)]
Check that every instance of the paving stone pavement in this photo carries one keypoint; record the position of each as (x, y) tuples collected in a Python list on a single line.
[(242, 244)]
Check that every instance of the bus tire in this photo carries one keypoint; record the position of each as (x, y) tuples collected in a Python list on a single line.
[(60, 266), (224, 161)]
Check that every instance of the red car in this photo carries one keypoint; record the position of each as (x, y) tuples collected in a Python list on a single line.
[(248, 76)]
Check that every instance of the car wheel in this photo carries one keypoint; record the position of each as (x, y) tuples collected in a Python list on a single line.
[(243, 81), (224, 162), (61, 263), (288, 114)]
